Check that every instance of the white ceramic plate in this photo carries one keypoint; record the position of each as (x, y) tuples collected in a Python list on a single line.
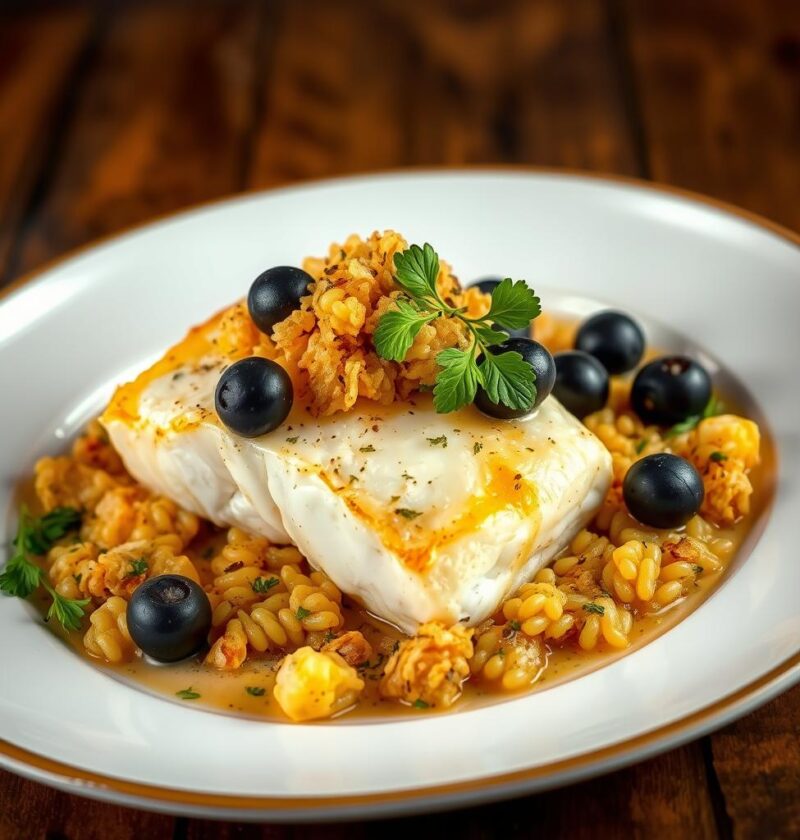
[(727, 281)]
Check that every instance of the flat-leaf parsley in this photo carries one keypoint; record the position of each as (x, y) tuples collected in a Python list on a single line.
[(507, 378), (187, 694), (22, 576), (261, 584)]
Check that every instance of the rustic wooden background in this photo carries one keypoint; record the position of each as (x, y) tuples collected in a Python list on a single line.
[(114, 112)]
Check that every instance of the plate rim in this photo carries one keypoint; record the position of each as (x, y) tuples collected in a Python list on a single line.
[(86, 783), (577, 768)]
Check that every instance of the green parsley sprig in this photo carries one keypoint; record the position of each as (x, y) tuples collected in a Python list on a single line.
[(506, 377), (713, 408), (22, 576)]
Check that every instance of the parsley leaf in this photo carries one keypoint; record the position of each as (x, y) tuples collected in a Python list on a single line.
[(255, 690), (417, 270), (419, 703), (67, 611), (39, 535), (489, 336), (438, 441), (261, 584), (397, 330), (713, 408), (137, 567), (514, 305), (597, 609), (302, 613), (407, 513), (508, 380), (187, 694), (457, 383), (718, 456), (22, 576)]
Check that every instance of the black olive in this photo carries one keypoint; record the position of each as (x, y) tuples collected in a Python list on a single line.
[(663, 490), (487, 286), (581, 382), (613, 338), (275, 294), (539, 358), (253, 396), (669, 390), (169, 617)]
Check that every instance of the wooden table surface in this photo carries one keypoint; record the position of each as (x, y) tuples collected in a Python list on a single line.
[(116, 112)]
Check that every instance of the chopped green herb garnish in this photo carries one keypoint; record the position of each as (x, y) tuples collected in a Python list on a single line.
[(407, 513), (438, 441), (369, 448), (329, 637), (476, 447), (293, 439), (187, 694), (641, 445), (38, 536), (506, 377), (712, 409), (718, 456), (137, 567), (255, 690), (21, 576), (597, 609), (302, 613), (419, 703), (514, 625), (261, 584)]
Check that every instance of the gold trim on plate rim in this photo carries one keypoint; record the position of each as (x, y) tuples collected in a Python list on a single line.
[(97, 786)]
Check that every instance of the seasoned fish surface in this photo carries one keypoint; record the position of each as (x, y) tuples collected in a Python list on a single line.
[(417, 515)]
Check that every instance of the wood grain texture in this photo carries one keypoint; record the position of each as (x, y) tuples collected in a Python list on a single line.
[(29, 811), (160, 123), (355, 86), (719, 88), (757, 761), (38, 56)]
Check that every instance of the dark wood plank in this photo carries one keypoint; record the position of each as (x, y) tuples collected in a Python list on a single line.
[(38, 57), (160, 123), (357, 86), (719, 85), (30, 811), (757, 760)]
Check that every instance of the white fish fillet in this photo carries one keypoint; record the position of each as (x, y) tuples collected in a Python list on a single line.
[(417, 515)]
